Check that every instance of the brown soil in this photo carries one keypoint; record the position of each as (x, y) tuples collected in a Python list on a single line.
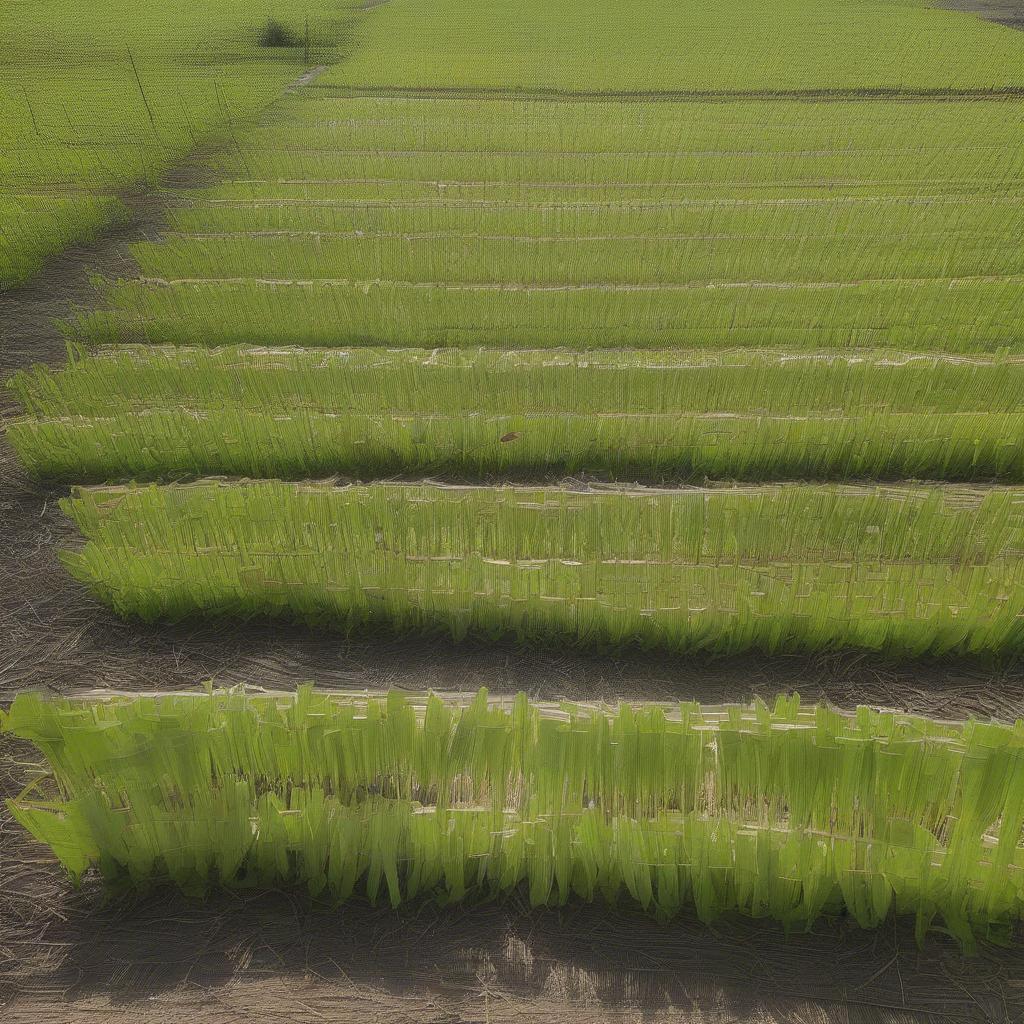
[(67, 956)]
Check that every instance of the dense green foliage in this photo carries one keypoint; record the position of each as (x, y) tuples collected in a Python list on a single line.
[(973, 315), (826, 226), (648, 239), (296, 413), (706, 45), (787, 813), (910, 570)]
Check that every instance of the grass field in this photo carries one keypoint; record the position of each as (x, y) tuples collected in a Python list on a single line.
[(542, 271), (116, 97), (786, 813), (607, 46), (435, 222), (299, 413)]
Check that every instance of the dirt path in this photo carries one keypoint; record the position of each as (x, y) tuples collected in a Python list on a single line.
[(28, 333), (1005, 12)]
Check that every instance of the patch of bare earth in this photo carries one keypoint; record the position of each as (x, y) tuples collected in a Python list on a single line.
[(1005, 12)]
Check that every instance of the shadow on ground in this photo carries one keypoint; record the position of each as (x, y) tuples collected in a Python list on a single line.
[(592, 961)]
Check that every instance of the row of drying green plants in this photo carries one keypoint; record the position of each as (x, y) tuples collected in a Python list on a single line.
[(154, 413), (790, 813), (572, 259), (970, 315), (910, 570), (304, 210)]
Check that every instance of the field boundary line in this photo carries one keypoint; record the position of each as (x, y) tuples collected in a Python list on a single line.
[(554, 708), (419, 236), (299, 410), (997, 93)]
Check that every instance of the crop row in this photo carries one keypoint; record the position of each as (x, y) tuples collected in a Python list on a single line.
[(224, 210), (573, 260), (994, 166), (648, 45), (437, 222), (323, 118), (152, 413), (911, 570), (791, 812), (937, 315)]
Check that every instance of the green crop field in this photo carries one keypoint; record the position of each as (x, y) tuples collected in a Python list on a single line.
[(435, 222), (297, 413), (121, 94), (669, 330)]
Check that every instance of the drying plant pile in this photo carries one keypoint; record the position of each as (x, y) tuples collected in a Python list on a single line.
[(786, 813), (667, 247)]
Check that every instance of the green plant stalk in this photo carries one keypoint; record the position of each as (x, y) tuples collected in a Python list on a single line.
[(797, 131), (168, 444), (970, 316), (434, 221), (571, 259)]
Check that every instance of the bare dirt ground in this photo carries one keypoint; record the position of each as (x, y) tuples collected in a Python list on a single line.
[(66, 956)]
